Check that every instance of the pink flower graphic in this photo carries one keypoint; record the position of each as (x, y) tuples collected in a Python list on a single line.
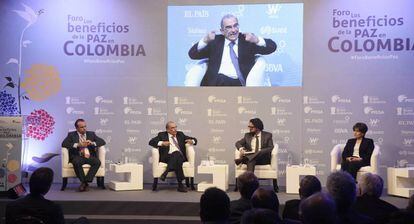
[(39, 124)]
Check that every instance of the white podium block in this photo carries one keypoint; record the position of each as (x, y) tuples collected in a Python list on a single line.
[(400, 181), (220, 177), (293, 174), (133, 175)]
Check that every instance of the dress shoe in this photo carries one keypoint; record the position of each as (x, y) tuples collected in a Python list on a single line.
[(181, 188), (86, 187), (82, 187), (163, 176)]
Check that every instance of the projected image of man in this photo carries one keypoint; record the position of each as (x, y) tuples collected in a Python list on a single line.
[(231, 54)]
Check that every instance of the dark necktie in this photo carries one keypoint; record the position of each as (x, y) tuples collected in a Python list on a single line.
[(235, 62), (175, 142), (256, 148)]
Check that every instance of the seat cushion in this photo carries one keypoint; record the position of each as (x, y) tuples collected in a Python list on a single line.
[(365, 169), (164, 165), (70, 165)]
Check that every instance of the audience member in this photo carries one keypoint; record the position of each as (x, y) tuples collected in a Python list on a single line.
[(341, 186), (214, 206), (34, 206), (261, 216), (369, 202), (263, 199), (247, 183), (405, 216), (318, 208), (308, 186)]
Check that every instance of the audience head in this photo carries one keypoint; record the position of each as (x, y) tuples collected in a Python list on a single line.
[(318, 208), (41, 180), (341, 186), (260, 216), (265, 198), (247, 183), (371, 184), (214, 205), (308, 186)]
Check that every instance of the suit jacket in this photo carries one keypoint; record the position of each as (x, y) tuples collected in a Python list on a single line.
[(365, 150), (163, 136), (36, 206), (266, 143), (73, 137), (291, 210), (237, 207), (214, 52), (375, 208)]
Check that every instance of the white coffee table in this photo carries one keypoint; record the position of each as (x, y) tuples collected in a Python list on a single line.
[(400, 181), (133, 174), (293, 174), (220, 177)]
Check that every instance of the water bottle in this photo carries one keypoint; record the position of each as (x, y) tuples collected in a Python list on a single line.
[(289, 160)]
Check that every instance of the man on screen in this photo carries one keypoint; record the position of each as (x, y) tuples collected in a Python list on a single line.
[(231, 55)]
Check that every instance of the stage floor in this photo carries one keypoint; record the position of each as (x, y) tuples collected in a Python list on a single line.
[(165, 193)]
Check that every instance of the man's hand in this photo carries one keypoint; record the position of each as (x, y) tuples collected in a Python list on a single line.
[(166, 143), (189, 141), (209, 37), (250, 37), (83, 144), (242, 151)]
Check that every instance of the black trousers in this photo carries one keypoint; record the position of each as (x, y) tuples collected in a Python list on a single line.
[(258, 158), (78, 161), (223, 80), (175, 162), (351, 167)]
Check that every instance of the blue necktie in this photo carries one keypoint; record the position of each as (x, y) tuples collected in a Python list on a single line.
[(235, 62)]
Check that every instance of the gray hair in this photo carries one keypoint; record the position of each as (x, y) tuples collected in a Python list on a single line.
[(371, 184), (227, 16), (341, 186)]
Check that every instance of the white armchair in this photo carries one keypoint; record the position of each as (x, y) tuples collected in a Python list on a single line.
[(188, 167), (268, 171), (68, 171), (336, 160), (257, 75)]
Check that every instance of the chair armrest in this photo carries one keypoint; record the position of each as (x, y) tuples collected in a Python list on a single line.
[(236, 154), (336, 155), (190, 153), (375, 159), (155, 158), (273, 159), (65, 157), (102, 156)]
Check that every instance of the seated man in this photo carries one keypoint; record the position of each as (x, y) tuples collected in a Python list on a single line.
[(34, 205), (256, 146), (171, 146), (82, 146), (318, 208)]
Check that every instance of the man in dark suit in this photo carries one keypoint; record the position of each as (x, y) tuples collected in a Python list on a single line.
[(82, 146), (369, 202), (357, 152), (231, 55), (256, 146), (171, 146), (34, 206), (247, 183)]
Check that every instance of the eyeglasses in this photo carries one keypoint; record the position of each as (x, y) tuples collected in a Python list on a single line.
[(228, 28), (250, 126)]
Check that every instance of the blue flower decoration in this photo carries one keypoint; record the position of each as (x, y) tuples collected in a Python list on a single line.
[(8, 104)]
